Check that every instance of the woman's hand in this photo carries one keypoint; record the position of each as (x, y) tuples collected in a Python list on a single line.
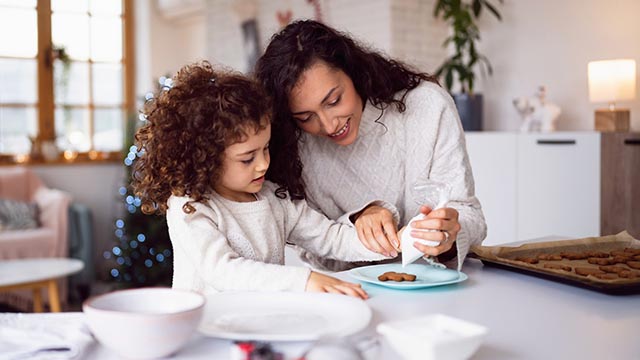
[(445, 220), (378, 231), (323, 283)]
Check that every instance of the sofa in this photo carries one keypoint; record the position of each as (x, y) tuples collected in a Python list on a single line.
[(49, 239)]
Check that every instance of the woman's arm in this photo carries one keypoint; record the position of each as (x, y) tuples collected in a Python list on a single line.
[(444, 160)]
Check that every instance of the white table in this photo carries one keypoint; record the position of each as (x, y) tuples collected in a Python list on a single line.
[(527, 317), (37, 274)]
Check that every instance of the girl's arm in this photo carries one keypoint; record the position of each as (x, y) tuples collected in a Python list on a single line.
[(203, 257), (314, 232), (204, 261)]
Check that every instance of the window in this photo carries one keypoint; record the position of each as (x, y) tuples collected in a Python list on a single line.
[(65, 78)]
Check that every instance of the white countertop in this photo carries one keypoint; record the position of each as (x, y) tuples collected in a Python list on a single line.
[(527, 317)]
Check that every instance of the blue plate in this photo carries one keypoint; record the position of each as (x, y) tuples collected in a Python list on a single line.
[(426, 276)]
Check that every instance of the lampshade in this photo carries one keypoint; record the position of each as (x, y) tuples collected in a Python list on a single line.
[(612, 80)]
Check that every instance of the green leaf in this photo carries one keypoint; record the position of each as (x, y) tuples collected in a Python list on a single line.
[(448, 80), (477, 7), (492, 9), (487, 64), (462, 65), (438, 8)]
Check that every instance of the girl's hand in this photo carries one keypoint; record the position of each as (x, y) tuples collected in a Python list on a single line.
[(377, 230), (445, 220), (323, 283)]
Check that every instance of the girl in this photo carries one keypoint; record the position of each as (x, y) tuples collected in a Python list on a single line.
[(206, 151), (373, 128)]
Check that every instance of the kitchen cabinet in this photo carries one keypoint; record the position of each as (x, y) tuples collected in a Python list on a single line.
[(620, 179), (558, 185), (493, 159), (573, 184)]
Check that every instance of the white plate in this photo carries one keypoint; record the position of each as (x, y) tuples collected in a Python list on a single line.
[(426, 275), (282, 316)]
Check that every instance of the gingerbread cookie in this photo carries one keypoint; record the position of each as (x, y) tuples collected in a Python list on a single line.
[(613, 269), (574, 255), (632, 251), (628, 274), (606, 276), (394, 276), (586, 271), (599, 261), (619, 253), (558, 267), (619, 259), (528, 260), (598, 254), (551, 257), (633, 264)]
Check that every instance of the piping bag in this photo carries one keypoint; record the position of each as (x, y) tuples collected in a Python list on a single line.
[(424, 192)]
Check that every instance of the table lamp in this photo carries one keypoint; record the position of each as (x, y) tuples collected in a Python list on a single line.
[(611, 81)]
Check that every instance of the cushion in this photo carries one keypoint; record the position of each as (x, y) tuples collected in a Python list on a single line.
[(18, 215)]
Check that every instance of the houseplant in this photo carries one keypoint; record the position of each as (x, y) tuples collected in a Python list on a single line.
[(461, 16)]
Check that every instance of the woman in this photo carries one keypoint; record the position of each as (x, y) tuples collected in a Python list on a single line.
[(368, 128)]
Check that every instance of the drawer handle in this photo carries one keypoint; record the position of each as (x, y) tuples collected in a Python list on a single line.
[(632, 141), (556, 142)]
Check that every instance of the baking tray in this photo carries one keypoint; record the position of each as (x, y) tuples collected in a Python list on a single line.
[(504, 257)]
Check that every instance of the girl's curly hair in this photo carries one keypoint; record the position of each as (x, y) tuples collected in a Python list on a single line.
[(187, 131), (295, 49)]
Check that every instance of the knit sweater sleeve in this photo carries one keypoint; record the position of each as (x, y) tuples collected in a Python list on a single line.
[(201, 246), (449, 161), (314, 232)]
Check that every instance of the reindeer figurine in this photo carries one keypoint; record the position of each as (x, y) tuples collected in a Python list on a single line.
[(537, 113)]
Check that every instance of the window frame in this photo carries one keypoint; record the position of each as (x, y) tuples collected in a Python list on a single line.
[(45, 102)]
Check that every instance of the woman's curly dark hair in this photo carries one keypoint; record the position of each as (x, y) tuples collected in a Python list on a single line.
[(187, 131), (295, 49)]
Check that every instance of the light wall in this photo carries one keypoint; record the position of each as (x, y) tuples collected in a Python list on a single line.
[(550, 42), (542, 42), (95, 186), (224, 35), (164, 44)]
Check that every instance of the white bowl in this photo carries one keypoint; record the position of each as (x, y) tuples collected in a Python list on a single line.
[(434, 336), (144, 323)]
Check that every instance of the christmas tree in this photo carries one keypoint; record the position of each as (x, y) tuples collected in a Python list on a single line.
[(142, 253)]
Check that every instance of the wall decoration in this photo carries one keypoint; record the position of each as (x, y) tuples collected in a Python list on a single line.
[(284, 17), (246, 11), (317, 9)]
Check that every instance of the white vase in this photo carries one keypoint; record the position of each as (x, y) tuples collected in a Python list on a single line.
[(50, 151)]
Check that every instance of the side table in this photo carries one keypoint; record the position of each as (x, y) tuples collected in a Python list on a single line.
[(38, 274)]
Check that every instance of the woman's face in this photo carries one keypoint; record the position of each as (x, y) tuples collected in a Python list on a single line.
[(325, 103)]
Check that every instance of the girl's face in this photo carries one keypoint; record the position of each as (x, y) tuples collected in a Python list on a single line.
[(244, 166), (325, 103)]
